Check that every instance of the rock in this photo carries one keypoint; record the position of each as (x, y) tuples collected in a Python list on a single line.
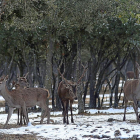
[(127, 130), (98, 126), (110, 120), (96, 136), (105, 136), (135, 136), (117, 133), (93, 130)]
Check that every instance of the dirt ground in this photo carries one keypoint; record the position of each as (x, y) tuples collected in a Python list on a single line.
[(4, 136), (18, 137)]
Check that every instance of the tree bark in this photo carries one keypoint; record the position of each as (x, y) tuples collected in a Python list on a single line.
[(79, 91)]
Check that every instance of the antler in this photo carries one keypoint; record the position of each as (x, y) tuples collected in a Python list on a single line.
[(6, 78), (24, 78), (26, 75), (62, 75), (137, 66), (85, 69)]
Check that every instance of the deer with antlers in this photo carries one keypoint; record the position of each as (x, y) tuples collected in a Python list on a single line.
[(24, 98), (132, 93), (67, 92)]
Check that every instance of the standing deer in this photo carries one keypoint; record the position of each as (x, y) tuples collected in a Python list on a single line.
[(67, 93), (21, 83), (24, 98), (132, 93)]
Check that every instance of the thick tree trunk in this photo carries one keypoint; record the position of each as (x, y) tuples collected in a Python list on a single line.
[(92, 103), (85, 91), (117, 78), (48, 81), (116, 89), (53, 91)]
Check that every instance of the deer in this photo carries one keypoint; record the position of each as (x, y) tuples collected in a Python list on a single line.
[(132, 93), (130, 74), (21, 83), (67, 92), (24, 98)]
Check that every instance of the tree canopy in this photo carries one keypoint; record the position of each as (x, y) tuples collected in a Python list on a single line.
[(36, 35)]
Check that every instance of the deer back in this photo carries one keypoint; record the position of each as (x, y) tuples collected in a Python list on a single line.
[(131, 88), (33, 96)]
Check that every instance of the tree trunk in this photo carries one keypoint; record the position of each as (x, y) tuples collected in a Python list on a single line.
[(85, 91), (79, 91), (48, 82), (117, 78), (92, 103), (116, 89), (53, 91)]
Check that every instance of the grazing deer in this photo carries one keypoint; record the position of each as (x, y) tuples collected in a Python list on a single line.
[(67, 93), (132, 93), (24, 98)]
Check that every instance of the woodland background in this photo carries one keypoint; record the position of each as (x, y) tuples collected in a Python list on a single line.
[(103, 35)]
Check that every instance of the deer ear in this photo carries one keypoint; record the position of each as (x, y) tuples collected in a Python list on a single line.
[(26, 75)]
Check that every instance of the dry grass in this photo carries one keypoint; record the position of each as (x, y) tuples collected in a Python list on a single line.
[(18, 137), (2, 103)]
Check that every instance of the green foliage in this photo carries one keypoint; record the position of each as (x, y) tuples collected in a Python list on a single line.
[(104, 24)]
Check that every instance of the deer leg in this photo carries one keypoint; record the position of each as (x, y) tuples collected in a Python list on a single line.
[(71, 102), (18, 123), (10, 112), (64, 112), (126, 101), (45, 111), (48, 115), (67, 105), (24, 119), (135, 106), (21, 115), (25, 112), (64, 108)]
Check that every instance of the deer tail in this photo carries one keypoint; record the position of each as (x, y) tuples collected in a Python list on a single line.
[(48, 93)]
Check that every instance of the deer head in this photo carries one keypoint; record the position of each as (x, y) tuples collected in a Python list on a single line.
[(22, 81)]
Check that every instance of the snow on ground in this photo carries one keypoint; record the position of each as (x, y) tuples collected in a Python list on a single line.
[(93, 125), (1, 98)]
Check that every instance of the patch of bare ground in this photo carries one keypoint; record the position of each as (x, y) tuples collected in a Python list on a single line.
[(10, 126), (108, 137), (4, 136), (18, 137), (2, 103)]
